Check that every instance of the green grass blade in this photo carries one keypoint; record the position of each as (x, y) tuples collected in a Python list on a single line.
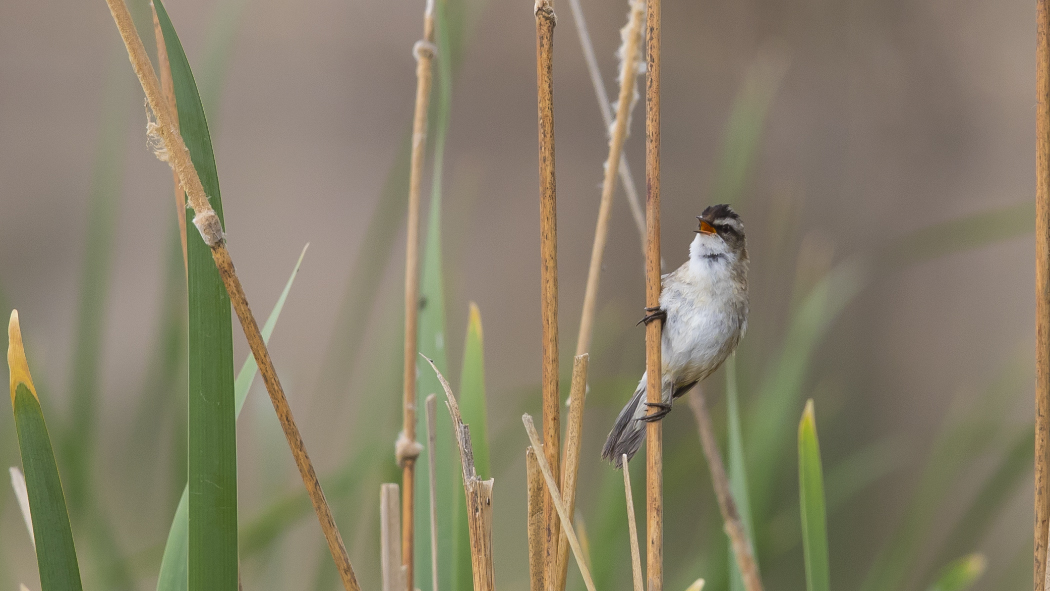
[(960, 574), (781, 389), (79, 439), (212, 445), (962, 233), (56, 554), (174, 564), (246, 376), (744, 127), (472, 406), (1012, 472), (432, 337), (737, 470), (811, 501)]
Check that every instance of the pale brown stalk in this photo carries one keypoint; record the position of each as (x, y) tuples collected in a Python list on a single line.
[(479, 497), (632, 527), (559, 506), (734, 527), (629, 189), (167, 86), (408, 449), (654, 450), (431, 403), (545, 21), (628, 67), (1042, 288), (571, 462), (534, 480), (208, 225), (393, 571)]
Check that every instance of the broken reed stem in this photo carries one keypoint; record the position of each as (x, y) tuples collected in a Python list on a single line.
[(555, 495), (207, 223), (431, 404), (632, 526), (390, 563), (167, 85), (545, 21), (628, 67), (1042, 289), (570, 466), (653, 430), (479, 497), (534, 480), (742, 548), (424, 51), (629, 189)]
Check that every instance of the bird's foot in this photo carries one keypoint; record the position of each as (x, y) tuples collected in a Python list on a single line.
[(654, 313), (665, 407)]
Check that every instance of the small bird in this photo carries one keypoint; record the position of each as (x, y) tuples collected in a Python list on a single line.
[(703, 305)]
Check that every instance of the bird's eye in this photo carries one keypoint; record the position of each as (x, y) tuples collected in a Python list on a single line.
[(724, 228)]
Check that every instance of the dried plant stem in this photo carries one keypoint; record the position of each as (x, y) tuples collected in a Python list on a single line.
[(629, 189), (632, 527), (534, 480), (390, 563), (424, 51), (1042, 289), (545, 21), (570, 466), (207, 223), (479, 497), (742, 548), (555, 495), (628, 67), (431, 404), (654, 430), (167, 85)]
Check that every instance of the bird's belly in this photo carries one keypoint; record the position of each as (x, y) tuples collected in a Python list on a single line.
[(697, 340)]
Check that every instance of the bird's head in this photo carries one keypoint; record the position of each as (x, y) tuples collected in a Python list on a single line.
[(720, 236)]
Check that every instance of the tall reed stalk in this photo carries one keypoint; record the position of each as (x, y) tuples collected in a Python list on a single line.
[(654, 430), (545, 21), (210, 228), (1042, 288), (407, 447)]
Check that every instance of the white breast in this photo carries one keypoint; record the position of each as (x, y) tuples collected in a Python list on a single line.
[(706, 316)]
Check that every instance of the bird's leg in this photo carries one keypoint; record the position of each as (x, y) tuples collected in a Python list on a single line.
[(665, 407), (653, 313)]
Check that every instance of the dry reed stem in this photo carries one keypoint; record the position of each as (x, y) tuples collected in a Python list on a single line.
[(654, 430), (207, 223), (629, 189), (545, 21), (479, 497), (167, 86), (431, 403), (555, 495), (1042, 289), (424, 51), (571, 462), (628, 68), (632, 527), (742, 548), (534, 480), (390, 563)]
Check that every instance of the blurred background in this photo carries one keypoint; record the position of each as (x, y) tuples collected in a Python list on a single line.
[(880, 153)]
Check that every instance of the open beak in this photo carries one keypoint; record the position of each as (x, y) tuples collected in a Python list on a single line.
[(705, 227)]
